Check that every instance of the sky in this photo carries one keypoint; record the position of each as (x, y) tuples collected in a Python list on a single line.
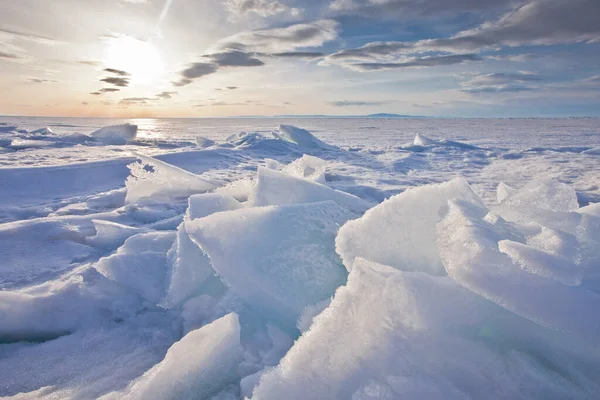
[(209, 58)]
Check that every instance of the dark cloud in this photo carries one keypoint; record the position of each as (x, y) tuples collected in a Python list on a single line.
[(234, 58), (539, 22), (244, 49), (117, 81), (9, 56), (117, 72), (193, 71), (406, 9), (353, 103), (39, 80), (109, 90), (310, 55), (85, 103), (433, 61), (95, 93), (232, 87), (90, 63), (165, 95), (12, 35)]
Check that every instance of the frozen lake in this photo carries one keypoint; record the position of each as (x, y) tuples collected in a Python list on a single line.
[(348, 258)]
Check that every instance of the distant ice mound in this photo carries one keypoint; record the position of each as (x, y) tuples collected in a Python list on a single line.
[(116, 134), (299, 136), (295, 137), (422, 140), (42, 132), (204, 142)]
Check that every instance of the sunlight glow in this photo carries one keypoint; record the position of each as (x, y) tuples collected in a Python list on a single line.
[(139, 58)]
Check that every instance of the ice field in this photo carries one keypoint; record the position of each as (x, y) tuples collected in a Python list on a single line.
[(309, 258)]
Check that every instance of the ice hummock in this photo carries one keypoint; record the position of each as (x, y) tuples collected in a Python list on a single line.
[(400, 232), (276, 188), (197, 366), (153, 180), (279, 259), (116, 134)]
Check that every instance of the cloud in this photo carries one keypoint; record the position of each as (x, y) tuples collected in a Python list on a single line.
[(117, 72), (263, 8), (373, 50), (350, 103), (244, 49), (234, 58), (193, 71), (165, 95), (9, 35), (40, 80), (90, 63), (310, 55), (406, 9), (277, 40), (232, 87), (499, 82), (135, 100), (85, 103), (539, 22), (9, 56), (113, 80), (105, 90), (431, 61), (514, 57)]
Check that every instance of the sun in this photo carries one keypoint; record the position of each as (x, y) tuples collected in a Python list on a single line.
[(140, 59)]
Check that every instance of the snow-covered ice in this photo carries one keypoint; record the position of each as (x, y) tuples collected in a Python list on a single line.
[(347, 259)]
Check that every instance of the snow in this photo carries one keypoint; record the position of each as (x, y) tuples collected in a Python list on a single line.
[(326, 262), (116, 134)]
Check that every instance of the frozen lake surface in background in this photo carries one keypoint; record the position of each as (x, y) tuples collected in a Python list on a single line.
[(190, 273)]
